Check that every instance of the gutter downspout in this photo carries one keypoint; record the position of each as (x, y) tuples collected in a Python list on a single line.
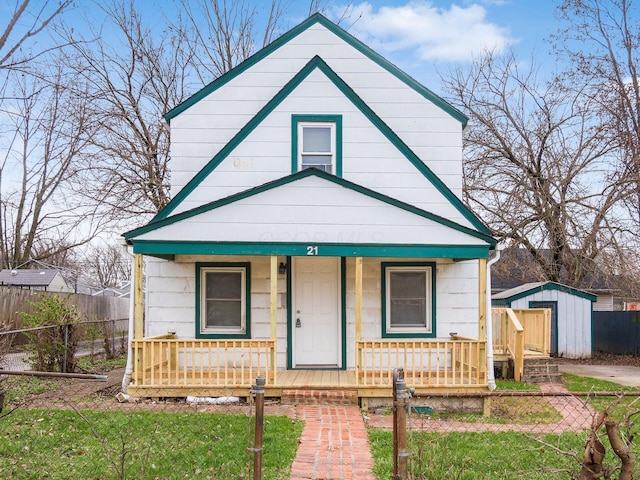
[(491, 380), (128, 370)]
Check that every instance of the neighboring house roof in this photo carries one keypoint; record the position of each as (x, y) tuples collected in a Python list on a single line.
[(318, 18), (28, 278), (513, 294)]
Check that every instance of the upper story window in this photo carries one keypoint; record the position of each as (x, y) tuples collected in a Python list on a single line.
[(317, 147), (317, 143)]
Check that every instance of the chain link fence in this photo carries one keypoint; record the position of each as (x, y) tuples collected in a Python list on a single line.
[(85, 428), (545, 433), (61, 348)]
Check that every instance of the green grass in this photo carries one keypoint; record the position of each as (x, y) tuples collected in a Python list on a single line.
[(97, 364), (18, 388), (475, 456), (511, 385), (575, 383), (60, 444)]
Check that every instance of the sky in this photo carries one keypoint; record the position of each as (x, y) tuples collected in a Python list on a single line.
[(421, 37)]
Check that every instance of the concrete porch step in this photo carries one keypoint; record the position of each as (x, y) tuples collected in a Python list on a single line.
[(319, 397)]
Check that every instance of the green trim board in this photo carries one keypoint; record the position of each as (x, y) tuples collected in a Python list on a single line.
[(383, 292), (163, 222), (511, 295), (298, 118), (164, 248), (376, 121), (247, 277), (342, 34)]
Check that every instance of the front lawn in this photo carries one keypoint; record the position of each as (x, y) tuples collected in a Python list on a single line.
[(63, 444)]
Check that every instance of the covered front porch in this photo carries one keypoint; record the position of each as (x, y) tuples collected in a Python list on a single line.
[(169, 365)]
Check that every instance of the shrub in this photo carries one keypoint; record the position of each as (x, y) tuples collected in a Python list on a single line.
[(54, 348)]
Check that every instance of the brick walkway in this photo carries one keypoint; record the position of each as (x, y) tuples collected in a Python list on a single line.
[(334, 444)]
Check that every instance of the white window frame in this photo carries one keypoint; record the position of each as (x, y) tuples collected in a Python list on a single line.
[(428, 327), (222, 330), (311, 124)]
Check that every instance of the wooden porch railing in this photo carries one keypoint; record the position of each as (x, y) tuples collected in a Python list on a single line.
[(165, 361), (508, 338), (446, 363), (537, 328), (515, 330)]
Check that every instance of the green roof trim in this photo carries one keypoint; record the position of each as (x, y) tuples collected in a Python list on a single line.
[(163, 222), (348, 38), (504, 298), (402, 147), (170, 248)]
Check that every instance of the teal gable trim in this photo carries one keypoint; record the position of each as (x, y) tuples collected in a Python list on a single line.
[(155, 224), (317, 62), (348, 38)]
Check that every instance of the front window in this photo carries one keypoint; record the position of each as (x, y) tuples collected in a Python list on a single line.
[(223, 300), (408, 296)]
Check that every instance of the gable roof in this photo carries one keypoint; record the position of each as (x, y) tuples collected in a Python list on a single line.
[(28, 278), (318, 18), (316, 63), (516, 293), (468, 243)]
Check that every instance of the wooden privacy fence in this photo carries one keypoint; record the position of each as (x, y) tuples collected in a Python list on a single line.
[(445, 363), (166, 361), (14, 300)]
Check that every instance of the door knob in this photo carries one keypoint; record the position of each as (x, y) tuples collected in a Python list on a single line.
[(298, 323)]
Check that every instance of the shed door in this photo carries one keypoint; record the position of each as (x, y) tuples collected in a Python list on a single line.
[(316, 312), (554, 322)]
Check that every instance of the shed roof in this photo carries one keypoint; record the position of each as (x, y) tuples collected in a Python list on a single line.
[(527, 289)]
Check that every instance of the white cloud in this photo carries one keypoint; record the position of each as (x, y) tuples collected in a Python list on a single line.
[(432, 33)]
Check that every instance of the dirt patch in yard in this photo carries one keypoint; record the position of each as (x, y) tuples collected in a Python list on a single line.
[(602, 358)]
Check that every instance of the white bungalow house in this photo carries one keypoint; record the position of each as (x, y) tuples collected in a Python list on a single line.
[(316, 233)]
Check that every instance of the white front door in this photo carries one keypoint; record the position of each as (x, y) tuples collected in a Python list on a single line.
[(316, 312)]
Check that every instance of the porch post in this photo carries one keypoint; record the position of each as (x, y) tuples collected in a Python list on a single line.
[(138, 298), (358, 299), (482, 299), (274, 296)]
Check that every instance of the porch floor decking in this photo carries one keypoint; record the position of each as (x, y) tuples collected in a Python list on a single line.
[(378, 384)]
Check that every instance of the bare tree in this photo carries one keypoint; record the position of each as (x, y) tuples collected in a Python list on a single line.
[(133, 78), (223, 33), (601, 39), (108, 264), (539, 168), (39, 217)]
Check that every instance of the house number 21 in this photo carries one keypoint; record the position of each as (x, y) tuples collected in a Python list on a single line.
[(312, 250)]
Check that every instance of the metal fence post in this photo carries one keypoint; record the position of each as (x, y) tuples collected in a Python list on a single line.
[(400, 452), (66, 348), (258, 390)]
